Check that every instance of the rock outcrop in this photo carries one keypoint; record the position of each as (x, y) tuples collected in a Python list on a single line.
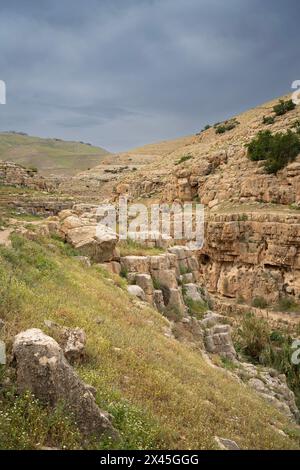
[(43, 370), (250, 255), (12, 174), (71, 340), (217, 336), (160, 279), (90, 238)]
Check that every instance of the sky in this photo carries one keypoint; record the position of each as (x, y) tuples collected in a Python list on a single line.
[(123, 73)]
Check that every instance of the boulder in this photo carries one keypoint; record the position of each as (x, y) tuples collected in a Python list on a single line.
[(137, 291), (136, 264), (226, 444), (159, 300), (95, 241), (43, 370), (192, 292)]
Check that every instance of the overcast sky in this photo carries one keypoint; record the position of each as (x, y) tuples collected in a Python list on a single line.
[(121, 73)]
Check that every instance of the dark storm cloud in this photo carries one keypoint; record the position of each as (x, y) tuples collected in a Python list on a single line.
[(120, 73)]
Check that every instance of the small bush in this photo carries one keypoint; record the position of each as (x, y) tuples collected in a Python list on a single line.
[(283, 107), (259, 302), (296, 126), (253, 336), (226, 126), (268, 120), (277, 150), (184, 158), (208, 126), (124, 273), (286, 304)]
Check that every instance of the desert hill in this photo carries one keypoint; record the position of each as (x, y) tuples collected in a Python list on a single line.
[(49, 156)]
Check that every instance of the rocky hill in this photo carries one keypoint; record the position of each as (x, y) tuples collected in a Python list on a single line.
[(252, 220)]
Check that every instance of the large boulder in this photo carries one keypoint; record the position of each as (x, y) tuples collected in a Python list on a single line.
[(43, 370), (137, 291), (90, 239)]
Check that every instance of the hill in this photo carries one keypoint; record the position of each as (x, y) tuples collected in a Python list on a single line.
[(180, 348), (49, 156), (161, 392)]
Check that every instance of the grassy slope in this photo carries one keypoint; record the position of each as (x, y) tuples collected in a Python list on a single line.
[(161, 393), (48, 155)]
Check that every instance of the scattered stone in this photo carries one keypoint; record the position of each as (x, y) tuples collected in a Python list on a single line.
[(226, 444), (71, 340), (192, 292), (137, 291)]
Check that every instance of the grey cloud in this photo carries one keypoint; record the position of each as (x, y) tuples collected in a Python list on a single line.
[(120, 73)]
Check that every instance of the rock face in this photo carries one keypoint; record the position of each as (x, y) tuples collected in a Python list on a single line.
[(217, 336), (252, 255), (42, 369), (272, 386), (160, 277)]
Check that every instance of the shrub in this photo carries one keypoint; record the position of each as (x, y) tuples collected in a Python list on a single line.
[(284, 107), (277, 150), (226, 126), (259, 302), (124, 272), (296, 126), (268, 120), (184, 158), (196, 308), (270, 348), (208, 126), (287, 304), (253, 336)]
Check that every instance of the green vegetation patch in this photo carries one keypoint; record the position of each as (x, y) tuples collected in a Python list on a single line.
[(276, 150)]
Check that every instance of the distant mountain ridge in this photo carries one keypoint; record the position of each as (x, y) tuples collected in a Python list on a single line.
[(49, 156)]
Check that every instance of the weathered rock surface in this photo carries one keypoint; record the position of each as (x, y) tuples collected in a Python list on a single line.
[(252, 255), (226, 444), (272, 386), (137, 291), (217, 336), (89, 237), (71, 340), (43, 369), (159, 277)]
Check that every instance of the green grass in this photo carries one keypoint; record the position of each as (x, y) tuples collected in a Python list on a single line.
[(49, 155), (287, 304), (162, 393), (258, 343), (196, 308), (27, 424), (133, 248)]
